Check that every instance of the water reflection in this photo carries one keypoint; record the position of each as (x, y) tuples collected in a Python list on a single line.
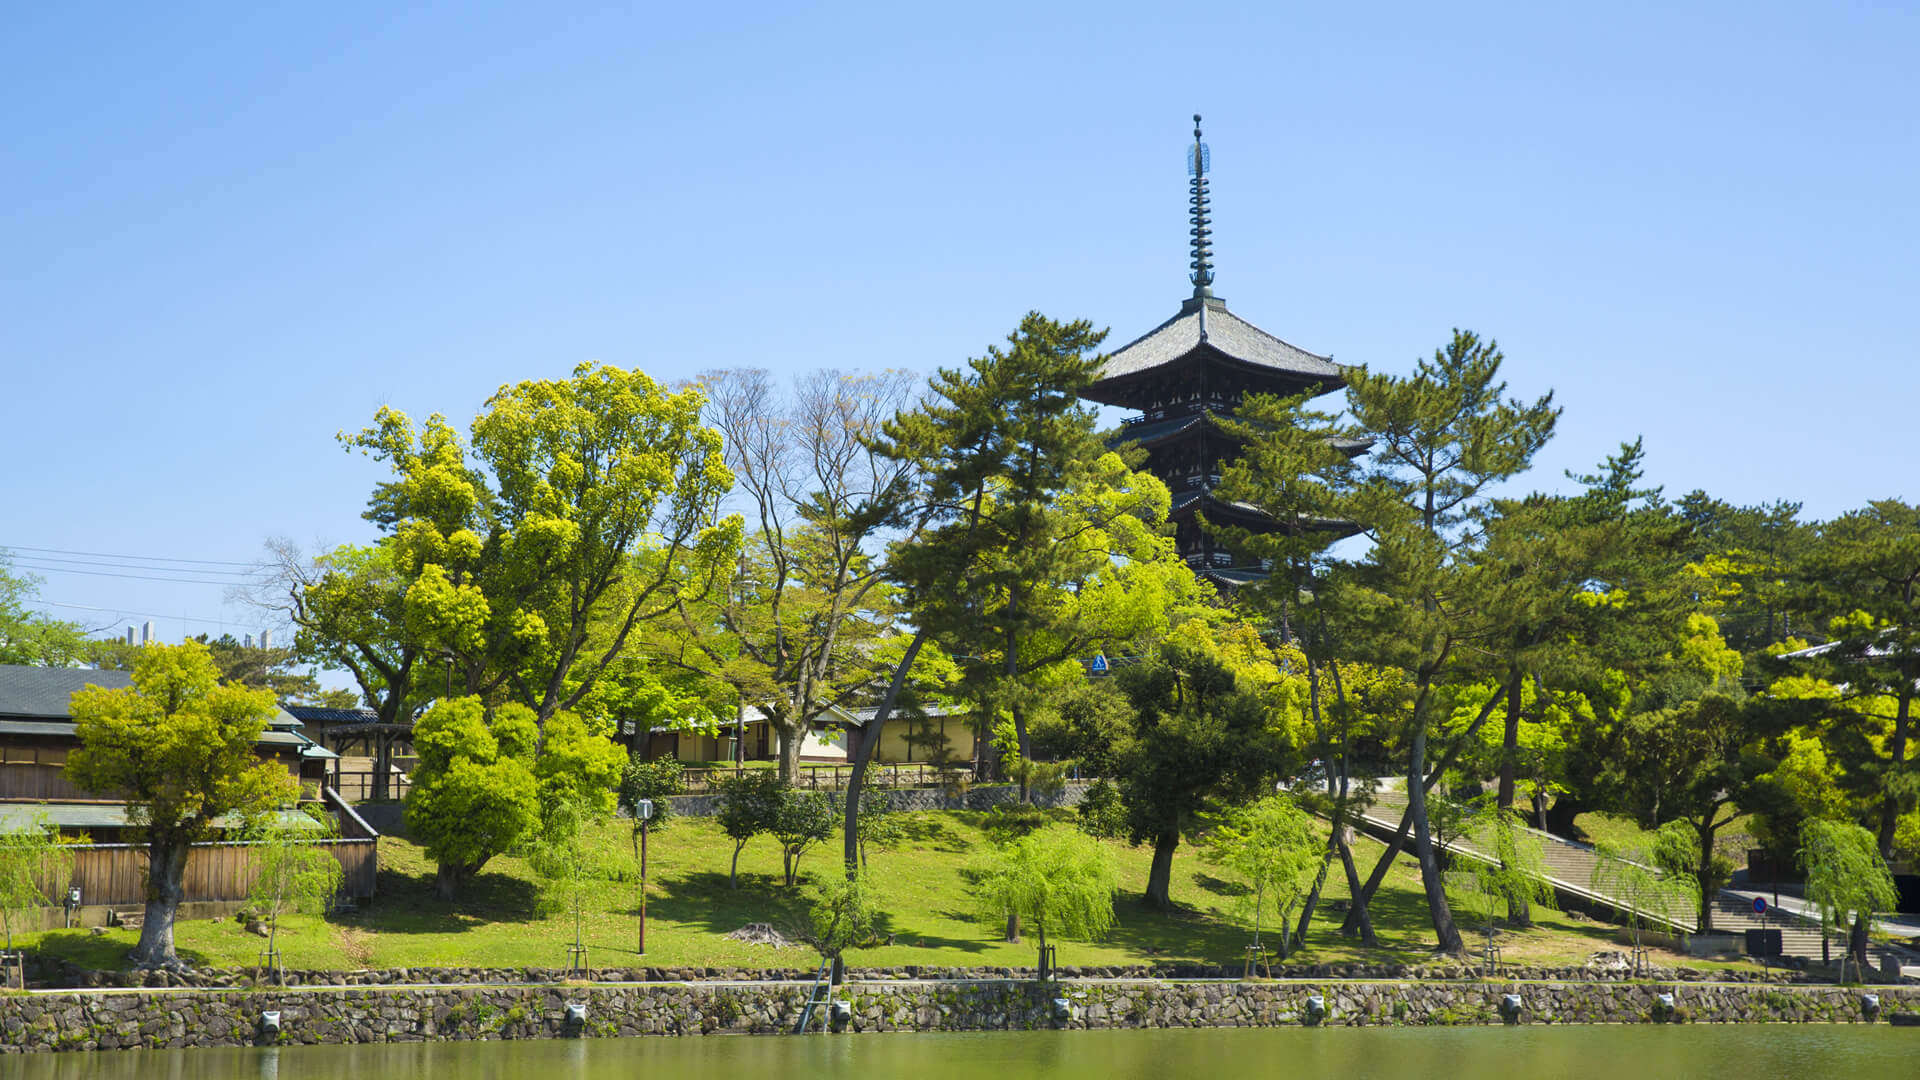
[(1762, 1052)]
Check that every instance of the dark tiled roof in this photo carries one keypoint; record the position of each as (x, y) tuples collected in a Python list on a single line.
[(315, 714), (1226, 332), (45, 691)]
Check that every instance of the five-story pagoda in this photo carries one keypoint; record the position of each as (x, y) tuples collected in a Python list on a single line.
[(1183, 374)]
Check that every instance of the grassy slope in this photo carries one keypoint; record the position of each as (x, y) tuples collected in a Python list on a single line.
[(921, 884)]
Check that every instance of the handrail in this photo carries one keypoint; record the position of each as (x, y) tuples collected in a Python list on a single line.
[(346, 810)]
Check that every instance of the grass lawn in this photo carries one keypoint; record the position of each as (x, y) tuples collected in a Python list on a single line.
[(921, 885)]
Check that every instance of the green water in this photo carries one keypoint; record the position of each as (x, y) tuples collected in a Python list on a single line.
[(1743, 1052)]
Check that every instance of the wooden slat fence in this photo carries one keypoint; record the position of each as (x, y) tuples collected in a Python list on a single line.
[(116, 874)]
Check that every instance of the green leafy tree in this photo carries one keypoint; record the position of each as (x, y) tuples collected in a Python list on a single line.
[(1056, 879), (1201, 736), (258, 666), (1441, 438), (658, 780), (1101, 813), (1693, 762), (293, 874), (1028, 509), (795, 631), (803, 819), (28, 637), (1865, 571), (750, 804), (474, 792), (179, 748), (606, 507), (1272, 847), (843, 916), (32, 859)]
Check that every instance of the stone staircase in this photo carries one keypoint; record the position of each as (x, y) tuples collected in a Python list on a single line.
[(133, 918)]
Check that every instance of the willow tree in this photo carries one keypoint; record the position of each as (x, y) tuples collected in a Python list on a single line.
[(1056, 880), (1272, 847), (1846, 877), (179, 748), (31, 856)]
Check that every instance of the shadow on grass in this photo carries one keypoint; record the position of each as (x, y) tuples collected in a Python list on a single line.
[(933, 833), (102, 952), (405, 904), (702, 899), (1220, 886)]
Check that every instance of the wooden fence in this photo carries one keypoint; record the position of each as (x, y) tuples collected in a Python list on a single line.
[(705, 781), (116, 874)]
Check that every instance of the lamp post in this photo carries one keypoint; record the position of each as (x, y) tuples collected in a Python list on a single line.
[(643, 809)]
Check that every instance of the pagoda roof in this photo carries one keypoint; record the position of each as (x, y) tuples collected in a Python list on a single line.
[(1207, 322), (1154, 432)]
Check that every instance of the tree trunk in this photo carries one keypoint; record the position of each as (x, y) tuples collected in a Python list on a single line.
[(1357, 912), (860, 752), (1013, 926), (1857, 944), (1897, 758), (1160, 876), (449, 880), (1385, 862), (791, 737), (1510, 742), (1444, 930), (166, 870), (1519, 912), (1559, 816), (733, 871), (1704, 874)]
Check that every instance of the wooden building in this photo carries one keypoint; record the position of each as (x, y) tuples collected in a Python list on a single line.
[(36, 738)]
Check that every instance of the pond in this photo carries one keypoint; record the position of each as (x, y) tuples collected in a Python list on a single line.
[(1750, 1052)]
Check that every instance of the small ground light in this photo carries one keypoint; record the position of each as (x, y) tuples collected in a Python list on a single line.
[(270, 1022), (840, 1013), (576, 1012), (1510, 1005), (1870, 1005), (1316, 1008), (1664, 1004), (1062, 1009)]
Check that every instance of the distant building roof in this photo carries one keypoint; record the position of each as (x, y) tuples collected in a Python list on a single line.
[(45, 691), (317, 714)]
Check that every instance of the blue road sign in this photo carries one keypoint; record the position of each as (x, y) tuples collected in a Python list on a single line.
[(1759, 905), (1098, 666)]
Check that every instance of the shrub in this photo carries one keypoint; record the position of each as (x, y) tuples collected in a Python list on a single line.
[(659, 780), (1102, 814)]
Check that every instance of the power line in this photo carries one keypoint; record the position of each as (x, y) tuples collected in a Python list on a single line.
[(244, 574), (108, 555), (119, 612), (133, 577)]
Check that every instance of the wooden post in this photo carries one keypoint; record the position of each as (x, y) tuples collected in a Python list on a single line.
[(643, 885)]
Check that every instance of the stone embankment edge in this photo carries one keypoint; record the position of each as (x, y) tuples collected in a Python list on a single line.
[(170, 1018)]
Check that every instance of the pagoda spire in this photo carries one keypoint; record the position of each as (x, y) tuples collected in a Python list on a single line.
[(1198, 161)]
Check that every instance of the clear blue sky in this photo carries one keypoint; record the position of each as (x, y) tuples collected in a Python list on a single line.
[(231, 232)]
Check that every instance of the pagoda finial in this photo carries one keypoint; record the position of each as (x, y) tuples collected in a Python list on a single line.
[(1198, 161)]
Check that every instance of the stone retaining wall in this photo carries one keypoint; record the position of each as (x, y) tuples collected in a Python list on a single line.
[(177, 1018), (45, 974)]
